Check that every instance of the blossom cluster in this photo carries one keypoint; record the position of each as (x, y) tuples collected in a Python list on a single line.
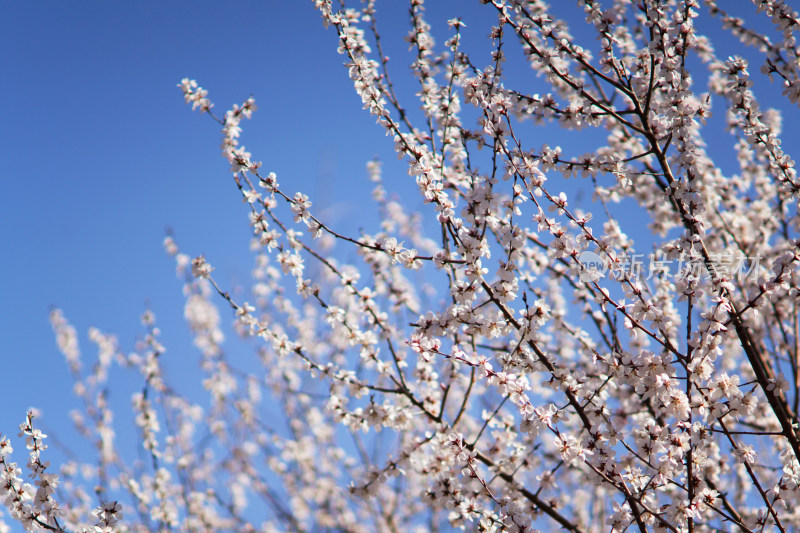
[(455, 366)]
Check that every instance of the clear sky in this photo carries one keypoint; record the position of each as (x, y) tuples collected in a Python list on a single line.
[(99, 154)]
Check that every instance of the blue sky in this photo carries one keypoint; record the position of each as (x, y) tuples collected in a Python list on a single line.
[(99, 155)]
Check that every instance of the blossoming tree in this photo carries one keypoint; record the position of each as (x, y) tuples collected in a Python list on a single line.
[(499, 360)]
